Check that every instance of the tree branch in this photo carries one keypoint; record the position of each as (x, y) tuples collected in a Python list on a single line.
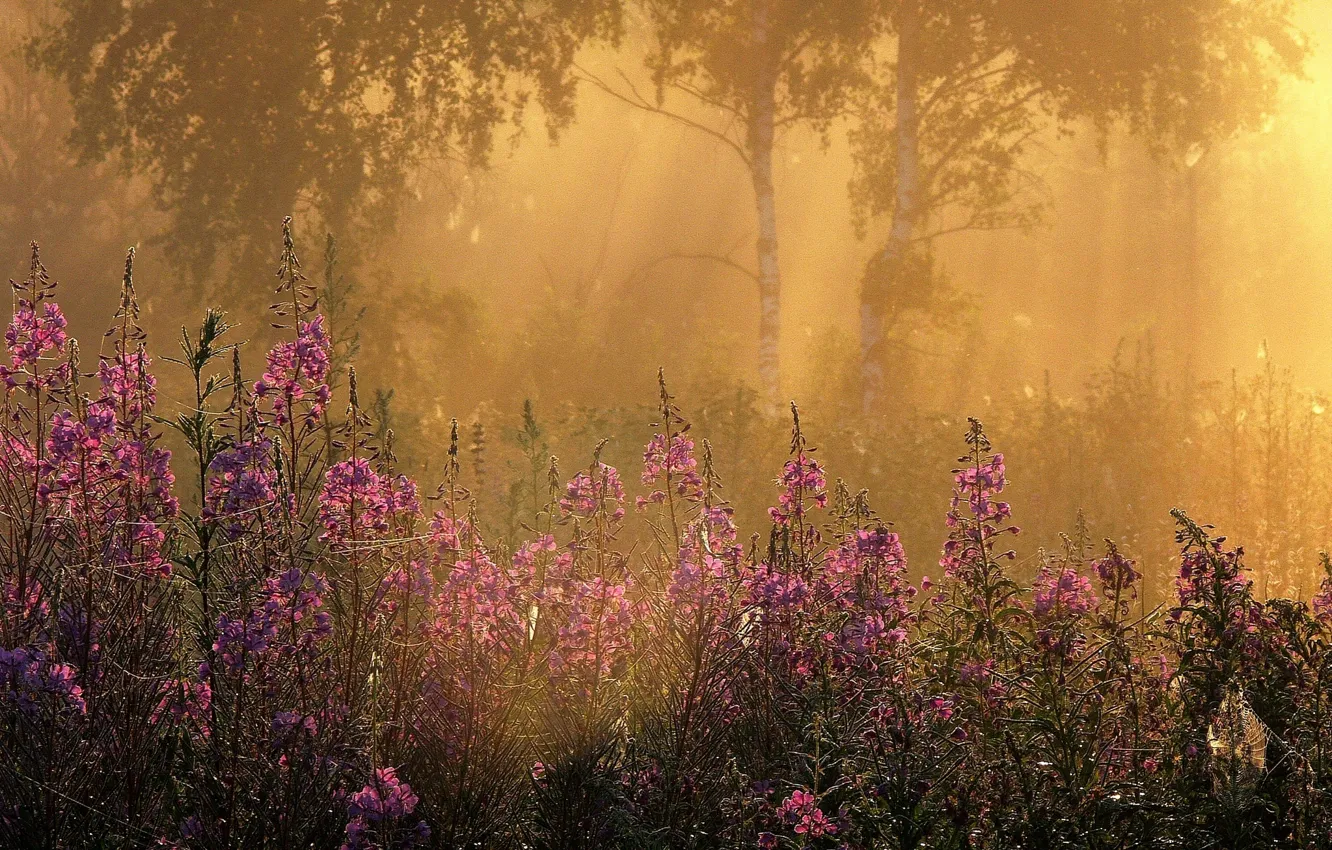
[(647, 267), (965, 134), (963, 79), (636, 100)]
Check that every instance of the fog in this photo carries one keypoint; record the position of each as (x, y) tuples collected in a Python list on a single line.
[(610, 223), (571, 268)]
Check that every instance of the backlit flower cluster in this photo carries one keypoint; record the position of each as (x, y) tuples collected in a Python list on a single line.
[(289, 621), (802, 813), (803, 485), (671, 463), (31, 681), (976, 517), (34, 334), (594, 635), (379, 807), (358, 503), (297, 375), (592, 491), (242, 483)]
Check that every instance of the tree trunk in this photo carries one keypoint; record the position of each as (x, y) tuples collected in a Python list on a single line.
[(1190, 308), (762, 125), (874, 296)]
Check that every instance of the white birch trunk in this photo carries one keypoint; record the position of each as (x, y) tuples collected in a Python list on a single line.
[(906, 209), (762, 125)]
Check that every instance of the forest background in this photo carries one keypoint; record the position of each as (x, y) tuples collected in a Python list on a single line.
[(1143, 327)]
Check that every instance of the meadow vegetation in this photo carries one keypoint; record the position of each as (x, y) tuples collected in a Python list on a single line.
[(234, 620)]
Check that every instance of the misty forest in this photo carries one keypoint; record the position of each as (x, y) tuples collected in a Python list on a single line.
[(857, 424)]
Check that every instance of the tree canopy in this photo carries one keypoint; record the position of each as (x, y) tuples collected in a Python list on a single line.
[(949, 121), (243, 110)]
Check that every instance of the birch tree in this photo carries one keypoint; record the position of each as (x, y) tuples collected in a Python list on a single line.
[(761, 67), (949, 123)]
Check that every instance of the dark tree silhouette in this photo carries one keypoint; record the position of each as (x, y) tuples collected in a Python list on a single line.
[(242, 112)]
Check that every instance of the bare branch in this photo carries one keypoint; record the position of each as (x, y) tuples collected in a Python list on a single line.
[(636, 100), (698, 95), (973, 223), (729, 263)]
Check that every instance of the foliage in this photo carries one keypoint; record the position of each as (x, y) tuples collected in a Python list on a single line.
[(241, 110), (974, 86)]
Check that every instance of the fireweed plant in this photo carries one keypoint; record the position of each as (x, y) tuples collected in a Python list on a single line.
[(319, 655)]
